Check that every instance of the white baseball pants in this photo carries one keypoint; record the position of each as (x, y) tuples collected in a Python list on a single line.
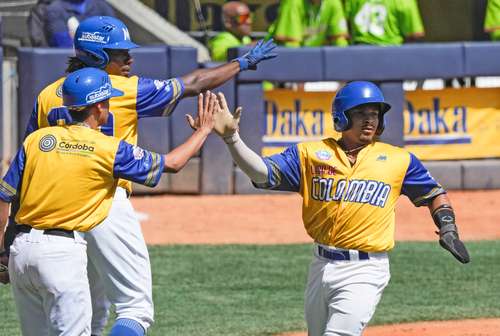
[(49, 282), (120, 270), (341, 295)]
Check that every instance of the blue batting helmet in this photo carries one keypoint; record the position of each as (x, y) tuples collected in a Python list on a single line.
[(98, 33), (87, 86), (354, 94)]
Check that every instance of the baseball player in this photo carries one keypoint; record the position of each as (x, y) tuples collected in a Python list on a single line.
[(66, 177), (119, 267), (349, 188)]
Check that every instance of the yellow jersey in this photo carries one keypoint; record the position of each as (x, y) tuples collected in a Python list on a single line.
[(64, 177), (346, 206), (143, 97)]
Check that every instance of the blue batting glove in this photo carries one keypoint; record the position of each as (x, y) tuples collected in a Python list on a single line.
[(261, 51)]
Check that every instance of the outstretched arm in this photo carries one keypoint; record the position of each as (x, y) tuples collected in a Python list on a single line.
[(444, 218), (206, 79)]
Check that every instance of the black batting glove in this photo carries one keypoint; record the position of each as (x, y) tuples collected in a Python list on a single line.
[(449, 240), (444, 218)]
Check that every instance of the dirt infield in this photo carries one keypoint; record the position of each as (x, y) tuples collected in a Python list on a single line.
[(276, 219)]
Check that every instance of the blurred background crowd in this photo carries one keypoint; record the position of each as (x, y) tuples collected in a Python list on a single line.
[(220, 25)]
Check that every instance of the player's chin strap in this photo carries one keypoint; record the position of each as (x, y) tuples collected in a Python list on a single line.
[(444, 218)]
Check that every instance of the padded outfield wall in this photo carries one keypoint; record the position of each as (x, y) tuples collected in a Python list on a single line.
[(213, 172)]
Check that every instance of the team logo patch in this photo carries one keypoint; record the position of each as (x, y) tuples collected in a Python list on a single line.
[(323, 154), (95, 37), (59, 91), (138, 153), (47, 143), (382, 158), (99, 94)]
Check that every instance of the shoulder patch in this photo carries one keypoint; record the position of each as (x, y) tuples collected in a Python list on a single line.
[(59, 91), (138, 153)]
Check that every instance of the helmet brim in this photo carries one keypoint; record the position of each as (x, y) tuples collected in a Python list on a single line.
[(125, 45)]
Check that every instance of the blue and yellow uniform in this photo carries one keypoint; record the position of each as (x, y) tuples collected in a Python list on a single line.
[(56, 161), (350, 207), (143, 97)]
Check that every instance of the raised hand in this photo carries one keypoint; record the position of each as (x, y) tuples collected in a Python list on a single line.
[(226, 123), (207, 107), (261, 51)]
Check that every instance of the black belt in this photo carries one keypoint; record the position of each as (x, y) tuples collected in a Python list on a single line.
[(340, 254), (53, 232)]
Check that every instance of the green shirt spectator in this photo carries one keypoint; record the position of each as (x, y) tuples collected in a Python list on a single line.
[(222, 42), (310, 23), (238, 23), (492, 20), (383, 22)]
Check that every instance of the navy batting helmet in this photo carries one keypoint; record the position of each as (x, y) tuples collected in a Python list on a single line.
[(355, 94), (98, 33), (87, 86)]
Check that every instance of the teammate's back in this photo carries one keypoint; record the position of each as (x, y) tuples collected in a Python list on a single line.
[(82, 159)]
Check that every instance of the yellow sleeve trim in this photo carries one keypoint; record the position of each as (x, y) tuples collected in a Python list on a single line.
[(155, 169), (176, 86), (433, 193), (7, 188)]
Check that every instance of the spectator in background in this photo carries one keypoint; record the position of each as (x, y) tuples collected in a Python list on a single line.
[(238, 24), (63, 17), (35, 23), (383, 22), (492, 20), (310, 23)]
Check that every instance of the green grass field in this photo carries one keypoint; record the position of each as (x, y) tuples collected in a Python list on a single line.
[(258, 290)]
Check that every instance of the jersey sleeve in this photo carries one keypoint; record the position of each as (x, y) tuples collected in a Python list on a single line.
[(337, 25), (11, 182), (138, 165), (289, 25), (418, 184), (492, 19), (283, 171), (156, 98), (33, 121), (410, 20)]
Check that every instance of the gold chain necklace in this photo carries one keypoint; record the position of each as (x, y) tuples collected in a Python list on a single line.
[(349, 151)]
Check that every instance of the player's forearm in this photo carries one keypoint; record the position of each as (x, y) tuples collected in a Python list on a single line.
[(179, 156), (4, 216), (249, 161), (438, 201), (205, 79)]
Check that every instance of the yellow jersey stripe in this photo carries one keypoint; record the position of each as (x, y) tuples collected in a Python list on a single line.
[(7, 188)]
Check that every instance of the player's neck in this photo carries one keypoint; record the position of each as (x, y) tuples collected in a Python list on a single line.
[(350, 147)]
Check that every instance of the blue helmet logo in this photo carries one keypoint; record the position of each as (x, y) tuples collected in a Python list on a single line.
[(96, 34), (354, 94), (87, 86)]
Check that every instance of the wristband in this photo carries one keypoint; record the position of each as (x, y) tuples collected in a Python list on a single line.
[(231, 139)]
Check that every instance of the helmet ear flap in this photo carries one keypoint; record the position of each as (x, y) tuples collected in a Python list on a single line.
[(97, 59)]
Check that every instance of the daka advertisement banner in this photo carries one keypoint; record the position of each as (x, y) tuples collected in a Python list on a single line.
[(449, 124)]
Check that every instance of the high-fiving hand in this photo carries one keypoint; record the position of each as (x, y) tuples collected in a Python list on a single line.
[(226, 123), (207, 108)]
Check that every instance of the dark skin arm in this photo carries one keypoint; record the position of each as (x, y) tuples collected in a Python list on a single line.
[(438, 201), (206, 79), (4, 260)]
